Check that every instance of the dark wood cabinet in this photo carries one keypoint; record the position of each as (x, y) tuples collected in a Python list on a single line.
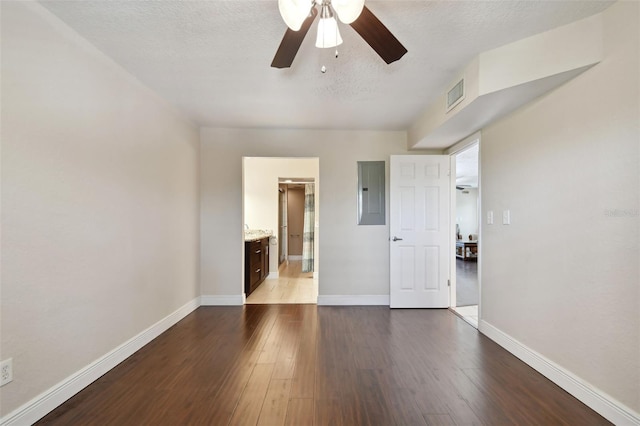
[(256, 263)]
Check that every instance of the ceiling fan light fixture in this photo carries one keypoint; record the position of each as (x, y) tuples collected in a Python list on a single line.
[(348, 10), (328, 33), (365, 23), (294, 12)]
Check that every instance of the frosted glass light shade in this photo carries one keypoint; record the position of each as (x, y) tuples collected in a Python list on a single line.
[(348, 10), (294, 12), (328, 34)]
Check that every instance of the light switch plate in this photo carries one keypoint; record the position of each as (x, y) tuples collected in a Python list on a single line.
[(490, 217), (506, 217)]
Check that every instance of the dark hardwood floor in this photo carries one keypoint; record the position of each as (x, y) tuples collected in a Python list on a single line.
[(310, 365)]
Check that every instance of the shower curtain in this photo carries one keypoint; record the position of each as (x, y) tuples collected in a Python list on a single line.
[(308, 225)]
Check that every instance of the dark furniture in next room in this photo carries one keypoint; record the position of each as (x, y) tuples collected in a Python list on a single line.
[(466, 250)]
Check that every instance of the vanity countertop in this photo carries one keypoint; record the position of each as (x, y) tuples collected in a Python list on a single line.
[(256, 234)]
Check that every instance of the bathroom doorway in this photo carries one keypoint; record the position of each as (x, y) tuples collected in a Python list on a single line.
[(282, 224), (271, 188), (294, 214)]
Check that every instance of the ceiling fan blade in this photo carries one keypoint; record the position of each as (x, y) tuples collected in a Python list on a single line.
[(378, 36), (291, 43)]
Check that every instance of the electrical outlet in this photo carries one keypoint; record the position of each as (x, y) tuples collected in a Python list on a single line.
[(6, 371)]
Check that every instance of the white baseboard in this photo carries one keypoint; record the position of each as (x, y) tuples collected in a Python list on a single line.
[(224, 300), (273, 275), (47, 401), (353, 300), (603, 404), (294, 257)]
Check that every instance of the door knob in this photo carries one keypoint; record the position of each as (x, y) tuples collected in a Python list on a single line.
[(397, 239)]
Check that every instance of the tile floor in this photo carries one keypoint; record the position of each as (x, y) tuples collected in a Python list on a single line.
[(292, 286), (468, 313)]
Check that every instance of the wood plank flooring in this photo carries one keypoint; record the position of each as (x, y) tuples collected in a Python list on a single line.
[(309, 365)]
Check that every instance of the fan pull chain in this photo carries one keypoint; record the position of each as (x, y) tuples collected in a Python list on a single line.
[(323, 69), (336, 38)]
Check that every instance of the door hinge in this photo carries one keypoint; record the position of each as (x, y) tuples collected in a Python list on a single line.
[(448, 283)]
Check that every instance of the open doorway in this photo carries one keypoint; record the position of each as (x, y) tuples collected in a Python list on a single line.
[(278, 195), (297, 222), (466, 211)]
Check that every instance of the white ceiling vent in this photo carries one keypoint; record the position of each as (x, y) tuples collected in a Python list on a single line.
[(455, 95)]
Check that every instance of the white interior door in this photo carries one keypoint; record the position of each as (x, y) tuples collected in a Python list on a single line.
[(419, 226)]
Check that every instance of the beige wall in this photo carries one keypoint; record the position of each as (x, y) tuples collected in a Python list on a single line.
[(354, 260), (99, 204), (563, 279)]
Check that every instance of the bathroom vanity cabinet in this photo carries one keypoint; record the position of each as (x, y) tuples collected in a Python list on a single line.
[(256, 263)]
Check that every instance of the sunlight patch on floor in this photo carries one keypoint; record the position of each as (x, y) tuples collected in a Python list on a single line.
[(292, 286)]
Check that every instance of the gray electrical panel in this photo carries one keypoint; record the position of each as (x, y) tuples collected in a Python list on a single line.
[(371, 190)]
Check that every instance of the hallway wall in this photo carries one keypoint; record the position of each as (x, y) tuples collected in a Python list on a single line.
[(563, 278)]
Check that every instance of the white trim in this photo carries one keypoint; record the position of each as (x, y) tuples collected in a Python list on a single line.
[(453, 206), (464, 143), (603, 404), (47, 401), (468, 320), (353, 300), (454, 150), (294, 257), (222, 300), (273, 275)]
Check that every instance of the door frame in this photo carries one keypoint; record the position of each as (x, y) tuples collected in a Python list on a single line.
[(274, 179), (452, 151), (282, 225)]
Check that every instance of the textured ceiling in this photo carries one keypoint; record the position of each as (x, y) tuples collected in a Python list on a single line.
[(211, 59)]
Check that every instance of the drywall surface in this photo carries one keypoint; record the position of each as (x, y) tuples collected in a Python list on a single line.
[(354, 260), (501, 80), (568, 47), (99, 204), (563, 277), (261, 193), (437, 115)]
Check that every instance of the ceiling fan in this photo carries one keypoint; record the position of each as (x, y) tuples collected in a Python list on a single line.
[(300, 14)]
